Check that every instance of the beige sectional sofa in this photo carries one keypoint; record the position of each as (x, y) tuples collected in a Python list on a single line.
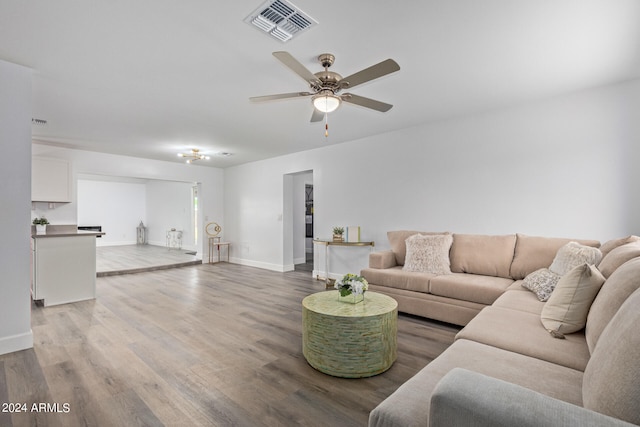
[(505, 369), (482, 267)]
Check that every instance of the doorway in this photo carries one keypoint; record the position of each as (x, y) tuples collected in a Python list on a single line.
[(308, 223), (298, 219)]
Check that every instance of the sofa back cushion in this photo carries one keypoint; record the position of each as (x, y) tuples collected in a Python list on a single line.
[(481, 254), (611, 382), (622, 283), (618, 256), (614, 243), (533, 253), (398, 245)]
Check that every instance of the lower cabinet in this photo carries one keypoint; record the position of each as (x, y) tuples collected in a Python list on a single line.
[(64, 269)]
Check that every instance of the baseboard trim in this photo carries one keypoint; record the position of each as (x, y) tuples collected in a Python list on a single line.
[(258, 264), (18, 342)]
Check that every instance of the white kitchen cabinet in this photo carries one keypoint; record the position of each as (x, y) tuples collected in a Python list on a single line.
[(64, 268), (50, 180)]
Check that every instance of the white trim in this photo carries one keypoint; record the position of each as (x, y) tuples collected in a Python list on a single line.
[(258, 264), (16, 342)]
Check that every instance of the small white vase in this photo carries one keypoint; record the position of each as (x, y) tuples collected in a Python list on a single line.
[(41, 228)]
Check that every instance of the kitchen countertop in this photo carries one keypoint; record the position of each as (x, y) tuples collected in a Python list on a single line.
[(66, 234), (63, 231)]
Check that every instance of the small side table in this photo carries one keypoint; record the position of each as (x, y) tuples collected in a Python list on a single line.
[(174, 239), (349, 340), (214, 246)]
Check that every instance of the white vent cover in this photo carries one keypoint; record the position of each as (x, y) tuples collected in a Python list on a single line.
[(280, 19)]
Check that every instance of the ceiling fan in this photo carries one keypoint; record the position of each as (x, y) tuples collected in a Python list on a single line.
[(326, 85)]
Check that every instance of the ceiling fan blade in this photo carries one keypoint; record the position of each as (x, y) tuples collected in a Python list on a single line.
[(366, 102), (279, 96), (317, 116), (375, 71), (297, 67)]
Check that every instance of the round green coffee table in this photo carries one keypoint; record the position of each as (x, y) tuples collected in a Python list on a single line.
[(349, 340)]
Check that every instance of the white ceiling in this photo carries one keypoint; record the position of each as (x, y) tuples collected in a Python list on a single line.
[(150, 78)]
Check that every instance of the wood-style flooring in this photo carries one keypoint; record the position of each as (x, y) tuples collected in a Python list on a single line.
[(205, 345), (125, 259)]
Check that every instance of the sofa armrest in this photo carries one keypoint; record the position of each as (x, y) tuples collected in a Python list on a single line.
[(465, 398), (384, 259)]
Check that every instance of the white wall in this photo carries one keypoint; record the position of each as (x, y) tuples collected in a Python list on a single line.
[(87, 162), (117, 206), (15, 202), (163, 216), (562, 167)]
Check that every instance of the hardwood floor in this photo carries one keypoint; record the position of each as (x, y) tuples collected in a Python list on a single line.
[(205, 345)]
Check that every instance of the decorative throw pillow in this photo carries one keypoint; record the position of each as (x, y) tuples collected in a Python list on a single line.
[(569, 304), (541, 282), (428, 253), (572, 255)]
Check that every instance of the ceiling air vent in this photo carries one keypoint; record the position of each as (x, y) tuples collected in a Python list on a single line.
[(280, 19)]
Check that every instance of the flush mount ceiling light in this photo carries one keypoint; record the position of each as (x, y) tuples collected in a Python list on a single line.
[(326, 102), (193, 156)]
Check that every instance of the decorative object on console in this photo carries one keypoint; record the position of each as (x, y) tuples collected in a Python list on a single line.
[(338, 234), (212, 229), (193, 156), (351, 288), (41, 224), (353, 233)]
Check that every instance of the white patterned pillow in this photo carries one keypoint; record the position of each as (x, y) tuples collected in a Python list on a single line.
[(541, 282), (428, 253), (572, 255)]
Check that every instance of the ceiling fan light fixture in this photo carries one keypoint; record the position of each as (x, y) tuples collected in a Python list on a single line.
[(326, 103)]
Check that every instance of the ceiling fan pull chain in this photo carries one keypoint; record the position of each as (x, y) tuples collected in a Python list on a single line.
[(326, 125)]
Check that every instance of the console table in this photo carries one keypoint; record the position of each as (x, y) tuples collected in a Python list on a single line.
[(327, 244), (215, 243)]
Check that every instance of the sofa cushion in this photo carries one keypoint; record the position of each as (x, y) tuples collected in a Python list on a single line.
[(398, 245), (611, 383), (382, 259), (622, 283), (523, 333), (567, 308), (572, 255), (428, 254), (469, 287), (614, 243), (409, 405), (520, 301), (618, 256), (541, 282), (532, 253), (480, 254), (395, 277)]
